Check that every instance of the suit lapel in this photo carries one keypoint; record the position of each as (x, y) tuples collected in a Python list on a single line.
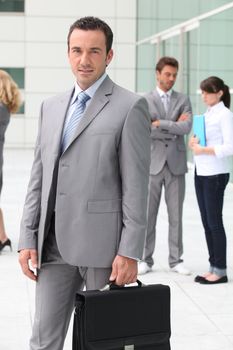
[(60, 113), (98, 102), (173, 101)]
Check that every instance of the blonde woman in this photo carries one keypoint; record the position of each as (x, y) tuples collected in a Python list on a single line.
[(9, 103)]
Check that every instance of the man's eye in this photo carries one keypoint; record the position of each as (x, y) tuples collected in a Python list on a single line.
[(95, 51)]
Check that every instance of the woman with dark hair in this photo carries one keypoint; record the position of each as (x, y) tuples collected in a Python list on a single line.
[(9, 103), (212, 174)]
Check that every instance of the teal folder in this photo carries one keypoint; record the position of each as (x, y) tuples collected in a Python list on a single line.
[(199, 128)]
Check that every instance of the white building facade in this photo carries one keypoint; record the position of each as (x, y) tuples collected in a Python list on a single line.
[(33, 50)]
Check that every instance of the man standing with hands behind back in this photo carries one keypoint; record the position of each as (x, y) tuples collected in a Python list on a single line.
[(84, 218), (171, 116)]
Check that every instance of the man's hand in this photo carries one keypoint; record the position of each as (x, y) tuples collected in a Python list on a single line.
[(156, 123), (28, 262), (183, 118), (124, 270)]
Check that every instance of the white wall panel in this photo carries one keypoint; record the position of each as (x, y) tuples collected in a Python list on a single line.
[(54, 29), (15, 134), (112, 74), (22, 132), (126, 8), (103, 8), (125, 56), (126, 78), (33, 103), (48, 80), (125, 30), (31, 129), (12, 54), (46, 55), (71, 8), (12, 28), (45, 29)]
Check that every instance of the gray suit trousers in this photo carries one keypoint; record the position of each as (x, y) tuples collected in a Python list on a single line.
[(174, 190), (55, 295)]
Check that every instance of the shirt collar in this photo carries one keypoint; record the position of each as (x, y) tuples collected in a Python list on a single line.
[(161, 92), (90, 91), (215, 108)]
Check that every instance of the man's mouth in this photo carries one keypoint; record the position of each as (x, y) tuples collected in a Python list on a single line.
[(85, 71)]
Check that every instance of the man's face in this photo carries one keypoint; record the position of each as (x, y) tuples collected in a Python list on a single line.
[(166, 78), (87, 56)]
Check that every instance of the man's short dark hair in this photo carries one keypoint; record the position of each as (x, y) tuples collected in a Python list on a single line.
[(92, 23), (166, 61)]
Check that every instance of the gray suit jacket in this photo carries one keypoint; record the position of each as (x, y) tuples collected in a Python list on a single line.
[(167, 141), (102, 179)]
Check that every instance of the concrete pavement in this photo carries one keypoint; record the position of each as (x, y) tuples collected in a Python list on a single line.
[(201, 315)]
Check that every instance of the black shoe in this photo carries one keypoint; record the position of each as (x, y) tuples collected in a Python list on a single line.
[(199, 278), (223, 279), (4, 244)]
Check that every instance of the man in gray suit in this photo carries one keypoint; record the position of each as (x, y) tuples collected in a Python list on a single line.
[(84, 218), (171, 117)]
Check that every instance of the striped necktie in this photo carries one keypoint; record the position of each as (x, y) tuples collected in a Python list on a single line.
[(165, 100), (74, 120)]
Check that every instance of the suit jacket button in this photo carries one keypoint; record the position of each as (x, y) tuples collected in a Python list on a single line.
[(166, 145)]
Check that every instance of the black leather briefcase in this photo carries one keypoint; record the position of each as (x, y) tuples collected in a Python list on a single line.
[(126, 318)]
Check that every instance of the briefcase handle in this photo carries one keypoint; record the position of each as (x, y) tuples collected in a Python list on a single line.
[(112, 286)]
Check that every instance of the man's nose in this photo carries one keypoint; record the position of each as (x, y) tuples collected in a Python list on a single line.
[(84, 58)]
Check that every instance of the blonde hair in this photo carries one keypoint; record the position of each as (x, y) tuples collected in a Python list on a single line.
[(9, 92)]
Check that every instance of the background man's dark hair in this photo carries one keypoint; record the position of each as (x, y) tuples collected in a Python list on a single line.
[(166, 61), (92, 23)]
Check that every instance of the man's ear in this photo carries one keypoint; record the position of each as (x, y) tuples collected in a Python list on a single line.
[(109, 57)]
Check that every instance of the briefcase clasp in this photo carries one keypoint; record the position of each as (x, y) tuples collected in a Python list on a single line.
[(129, 347)]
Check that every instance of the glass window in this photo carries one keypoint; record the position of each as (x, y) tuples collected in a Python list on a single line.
[(11, 6), (18, 75), (206, 50)]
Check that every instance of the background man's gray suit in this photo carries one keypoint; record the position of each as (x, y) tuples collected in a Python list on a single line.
[(168, 159), (101, 183)]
